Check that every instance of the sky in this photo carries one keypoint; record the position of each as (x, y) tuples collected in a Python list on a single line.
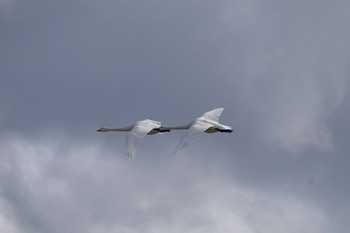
[(279, 68)]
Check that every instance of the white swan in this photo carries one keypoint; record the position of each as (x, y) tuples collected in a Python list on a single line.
[(207, 123), (137, 132)]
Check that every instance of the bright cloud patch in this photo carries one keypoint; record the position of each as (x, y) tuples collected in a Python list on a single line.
[(293, 71), (48, 187)]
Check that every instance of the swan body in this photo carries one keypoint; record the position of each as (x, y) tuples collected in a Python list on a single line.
[(137, 132), (207, 123)]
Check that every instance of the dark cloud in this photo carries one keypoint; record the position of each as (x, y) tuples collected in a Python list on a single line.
[(279, 69)]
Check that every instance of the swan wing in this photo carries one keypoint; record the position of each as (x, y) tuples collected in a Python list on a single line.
[(191, 134), (213, 115), (138, 132)]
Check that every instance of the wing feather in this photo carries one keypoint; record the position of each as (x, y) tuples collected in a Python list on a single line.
[(190, 135), (139, 131), (213, 114)]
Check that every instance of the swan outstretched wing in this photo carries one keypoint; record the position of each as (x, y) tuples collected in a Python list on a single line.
[(190, 135), (213, 115), (139, 131), (199, 126)]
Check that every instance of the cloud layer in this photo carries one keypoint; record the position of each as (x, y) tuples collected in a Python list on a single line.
[(88, 189), (279, 68)]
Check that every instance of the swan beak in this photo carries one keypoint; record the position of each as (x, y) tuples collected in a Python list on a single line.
[(99, 130), (226, 131)]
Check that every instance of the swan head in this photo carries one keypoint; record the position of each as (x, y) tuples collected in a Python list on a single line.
[(102, 130)]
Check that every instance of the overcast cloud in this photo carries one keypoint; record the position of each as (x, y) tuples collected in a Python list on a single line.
[(279, 68)]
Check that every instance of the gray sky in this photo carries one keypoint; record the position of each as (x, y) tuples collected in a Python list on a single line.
[(279, 68)]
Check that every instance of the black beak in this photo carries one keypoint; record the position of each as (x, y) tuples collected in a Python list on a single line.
[(162, 129), (99, 130), (226, 130)]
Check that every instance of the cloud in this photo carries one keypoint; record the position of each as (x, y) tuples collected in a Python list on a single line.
[(289, 66), (6, 221), (87, 188), (278, 67), (4, 3), (6, 8)]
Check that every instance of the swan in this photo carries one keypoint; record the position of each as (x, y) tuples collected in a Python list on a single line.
[(137, 132), (207, 123)]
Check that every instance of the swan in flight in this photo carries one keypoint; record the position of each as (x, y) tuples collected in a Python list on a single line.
[(207, 123), (137, 132)]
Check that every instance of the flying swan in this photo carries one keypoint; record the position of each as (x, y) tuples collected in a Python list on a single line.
[(137, 132), (207, 123)]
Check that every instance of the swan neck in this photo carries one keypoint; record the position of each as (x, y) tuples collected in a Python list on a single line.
[(119, 129), (178, 127)]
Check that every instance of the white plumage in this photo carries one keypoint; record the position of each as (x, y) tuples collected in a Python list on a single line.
[(137, 132), (207, 123)]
